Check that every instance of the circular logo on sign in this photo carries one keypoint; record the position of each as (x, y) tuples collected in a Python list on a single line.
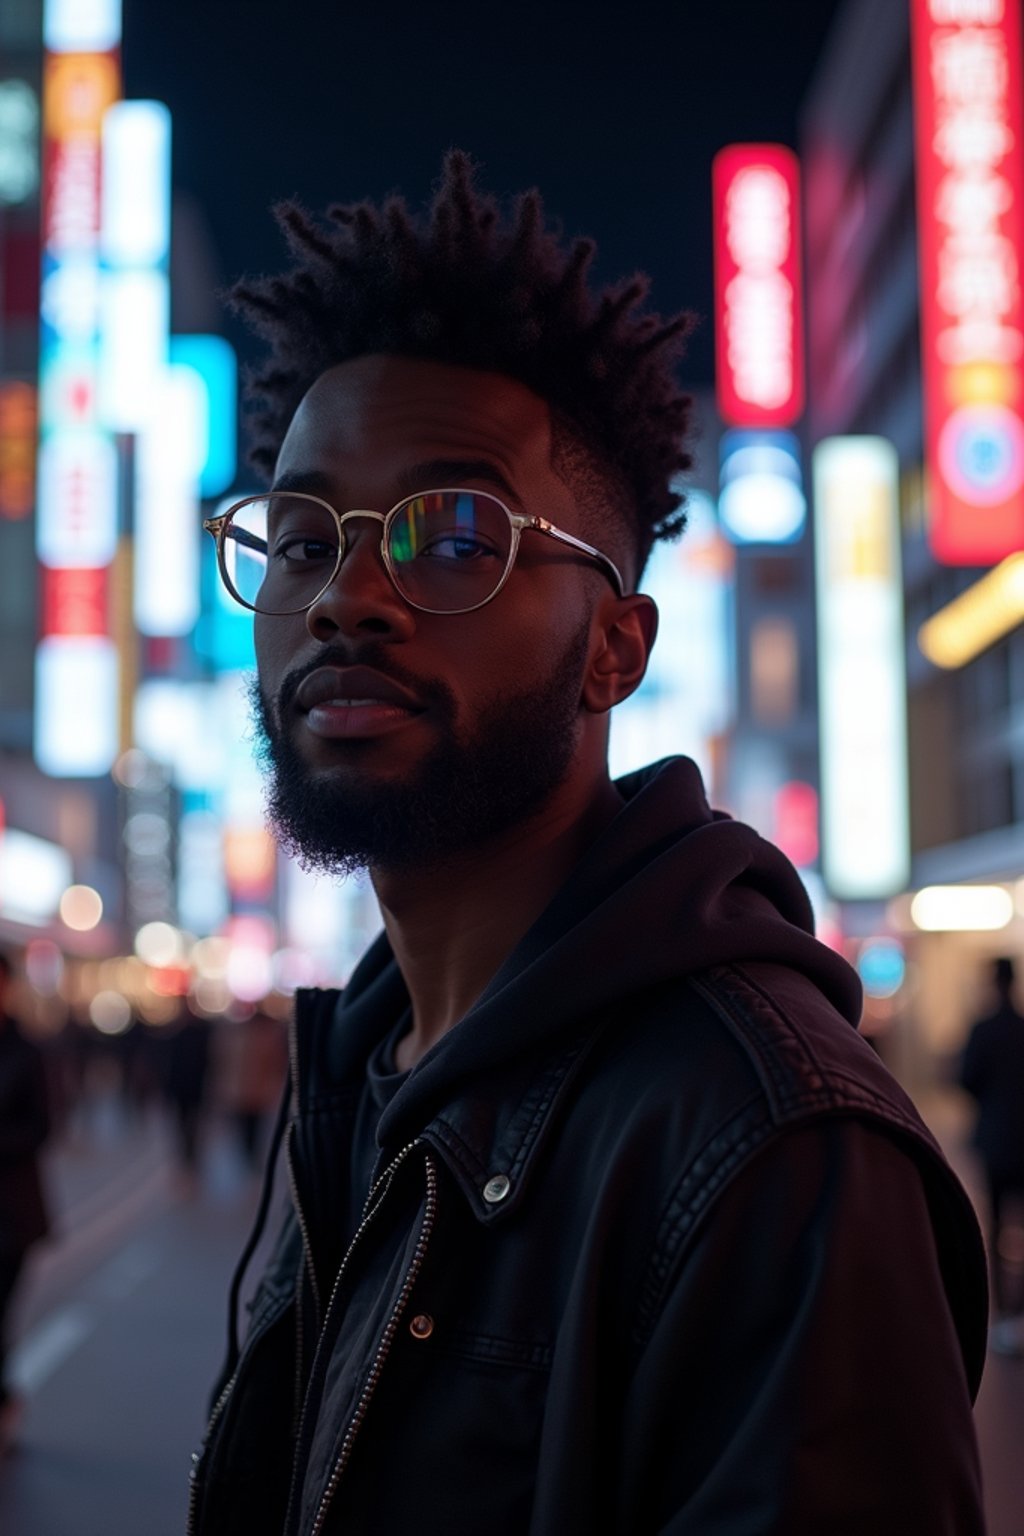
[(981, 454)]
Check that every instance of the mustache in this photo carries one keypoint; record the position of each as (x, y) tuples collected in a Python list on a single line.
[(434, 693)]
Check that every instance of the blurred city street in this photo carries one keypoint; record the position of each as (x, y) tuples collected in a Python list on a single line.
[(122, 1329)]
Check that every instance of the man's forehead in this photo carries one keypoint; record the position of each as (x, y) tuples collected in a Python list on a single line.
[(433, 409)]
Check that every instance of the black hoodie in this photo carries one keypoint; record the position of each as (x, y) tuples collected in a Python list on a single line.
[(659, 1246)]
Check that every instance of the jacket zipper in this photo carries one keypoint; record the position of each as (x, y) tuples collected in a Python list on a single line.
[(391, 1327), (215, 1413), (307, 1248), (307, 1268), (372, 1205), (193, 1477)]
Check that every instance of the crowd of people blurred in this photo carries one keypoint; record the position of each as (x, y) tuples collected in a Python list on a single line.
[(59, 1085)]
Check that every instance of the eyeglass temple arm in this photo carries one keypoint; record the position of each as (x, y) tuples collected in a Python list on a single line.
[(543, 526), (217, 525)]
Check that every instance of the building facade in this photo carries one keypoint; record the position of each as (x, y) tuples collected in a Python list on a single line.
[(965, 725)]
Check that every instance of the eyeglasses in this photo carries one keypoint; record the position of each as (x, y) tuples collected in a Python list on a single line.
[(447, 551)]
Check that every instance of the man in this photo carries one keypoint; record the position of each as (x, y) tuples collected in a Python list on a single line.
[(992, 1072), (602, 1218), (24, 1127)]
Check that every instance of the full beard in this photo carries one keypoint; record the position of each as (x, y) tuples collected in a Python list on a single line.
[(461, 794)]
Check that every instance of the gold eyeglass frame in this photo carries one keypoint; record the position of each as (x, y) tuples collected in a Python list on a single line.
[(217, 527)]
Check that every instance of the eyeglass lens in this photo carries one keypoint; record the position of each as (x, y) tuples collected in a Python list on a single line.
[(448, 550)]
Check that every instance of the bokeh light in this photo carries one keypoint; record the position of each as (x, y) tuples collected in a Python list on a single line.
[(110, 1012), (81, 908), (159, 944)]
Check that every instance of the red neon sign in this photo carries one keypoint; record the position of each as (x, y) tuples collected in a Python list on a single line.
[(75, 602), (758, 299), (796, 822), (969, 120)]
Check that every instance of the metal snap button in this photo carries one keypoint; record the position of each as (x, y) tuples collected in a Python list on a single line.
[(422, 1326), (497, 1188)]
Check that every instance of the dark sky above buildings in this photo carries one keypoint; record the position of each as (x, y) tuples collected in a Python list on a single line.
[(613, 110)]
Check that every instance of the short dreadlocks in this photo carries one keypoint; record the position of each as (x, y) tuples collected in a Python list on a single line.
[(466, 287)]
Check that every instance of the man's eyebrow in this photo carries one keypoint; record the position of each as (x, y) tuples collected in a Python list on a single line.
[(428, 475), (311, 482), (437, 474)]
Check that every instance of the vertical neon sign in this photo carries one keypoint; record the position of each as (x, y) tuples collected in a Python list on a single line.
[(76, 661), (968, 123), (865, 836), (758, 313)]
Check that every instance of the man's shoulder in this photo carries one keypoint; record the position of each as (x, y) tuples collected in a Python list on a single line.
[(756, 1033)]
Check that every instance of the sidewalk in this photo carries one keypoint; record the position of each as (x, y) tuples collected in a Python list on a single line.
[(122, 1332)]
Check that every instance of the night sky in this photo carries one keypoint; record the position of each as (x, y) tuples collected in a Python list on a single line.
[(614, 111)]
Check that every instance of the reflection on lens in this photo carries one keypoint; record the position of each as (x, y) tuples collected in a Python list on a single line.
[(280, 552), (449, 549)]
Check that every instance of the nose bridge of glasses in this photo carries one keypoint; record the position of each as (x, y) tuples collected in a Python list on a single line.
[(343, 517), (347, 537)]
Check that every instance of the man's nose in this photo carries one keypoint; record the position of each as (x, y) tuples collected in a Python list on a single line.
[(361, 598)]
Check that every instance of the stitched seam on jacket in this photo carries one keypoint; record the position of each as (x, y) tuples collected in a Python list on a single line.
[(543, 1087), (550, 1081), (460, 1150), (728, 999), (817, 1096), (489, 1349), (729, 1147)]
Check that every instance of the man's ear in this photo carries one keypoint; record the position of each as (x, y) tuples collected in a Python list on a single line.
[(626, 628)]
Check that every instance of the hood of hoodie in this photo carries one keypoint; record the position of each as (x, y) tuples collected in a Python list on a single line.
[(668, 889)]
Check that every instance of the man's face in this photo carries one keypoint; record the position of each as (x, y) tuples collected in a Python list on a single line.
[(473, 720)]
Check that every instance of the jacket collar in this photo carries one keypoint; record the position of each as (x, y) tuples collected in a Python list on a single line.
[(490, 1134), (492, 1137)]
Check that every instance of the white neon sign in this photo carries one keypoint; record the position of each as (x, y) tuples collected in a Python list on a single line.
[(861, 669)]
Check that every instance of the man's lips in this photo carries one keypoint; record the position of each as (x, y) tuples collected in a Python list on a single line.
[(354, 701)]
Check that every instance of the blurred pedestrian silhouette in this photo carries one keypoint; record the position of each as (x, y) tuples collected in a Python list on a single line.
[(187, 1062), (992, 1072), (24, 1127), (253, 1065)]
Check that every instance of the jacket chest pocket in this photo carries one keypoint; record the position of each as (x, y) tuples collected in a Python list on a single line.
[(451, 1443)]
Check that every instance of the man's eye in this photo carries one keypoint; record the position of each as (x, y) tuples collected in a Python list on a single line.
[(456, 546), (299, 549)]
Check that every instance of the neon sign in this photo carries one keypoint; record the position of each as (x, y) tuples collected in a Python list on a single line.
[(758, 316), (865, 822), (968, 110), (77, 673)]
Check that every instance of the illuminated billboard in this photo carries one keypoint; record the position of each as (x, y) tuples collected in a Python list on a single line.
[(861, 669), (968, 125), (758, 313), (77, 671)]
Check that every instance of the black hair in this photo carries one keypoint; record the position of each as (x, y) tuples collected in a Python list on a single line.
[(467, 286)]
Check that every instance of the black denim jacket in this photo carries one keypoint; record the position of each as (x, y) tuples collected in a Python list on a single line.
[(755, 1305), (689, 1263)]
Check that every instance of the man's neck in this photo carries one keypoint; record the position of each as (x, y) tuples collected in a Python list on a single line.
[(452, 930)]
